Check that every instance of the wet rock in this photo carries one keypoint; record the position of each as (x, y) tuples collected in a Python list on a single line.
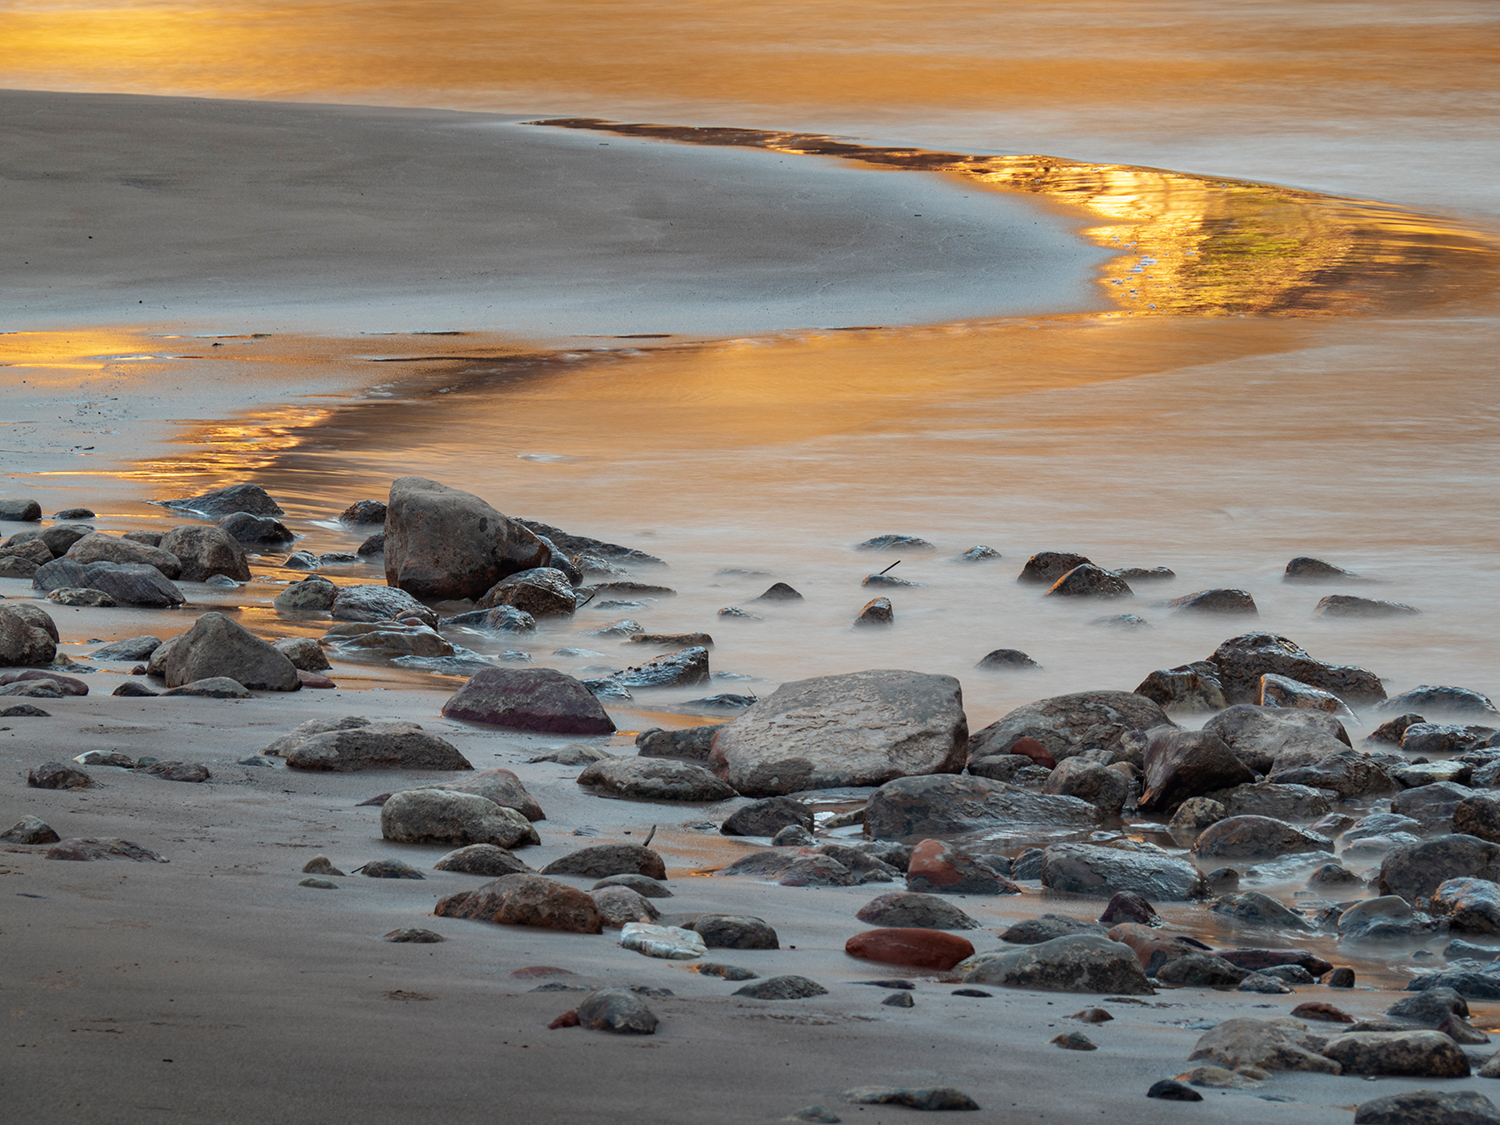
[(1470, 905), (1429, 1008), (1349, 773), (819, 870), (920, 948), (1304, 569), (32, 549), (1062, 723), (895, 543), (501, 786), (352, 744), (1089, 581), (767, 817), (204, 552), (363, 511), (601, 860), (1346, 605), (779, 592), (129, 584), (130, 648), (686, 667), (1046, 567), (1046, 927), (1258, 734), (537, 699), (212, 687), (616, 1010), (58, 775), (13, 567), (1442, 738), (940, 867), (20, 511), (688, 744), (1183, 764), (374, 545), (643, 885), (218, 646), (223, 501), (97, 547), (445, 543), (175, 771), (1416, 870), (655, 779), (1121, 621), (1264, 983), (1478, 815), (1432, 805), (379, 603), (86, 848), (30, 711), (1256, 837), (305, 653), (1089, 869), (1127, 906), (1076, 963), (1201, 970), (1318, 1010), (1264, 1044), (1002, 659), (621, 905), (437, 816), (1001, 767), (782, 988), (876, 611), (80, 597), (320, 865), (1284, 692), (945, 805), (540, 592), (914, 911), (1255, 909), (312, 593), (526, 900), (1243, 660), (1428, 1107), (1105, 788), (863, 728), (1221, 601), (243, 527), (1334, 875), (979, 553), (1386, 918), (1427, 1054), (34, 830), (1187, 689), (481, 859), (1449, 701), (1272, 799)]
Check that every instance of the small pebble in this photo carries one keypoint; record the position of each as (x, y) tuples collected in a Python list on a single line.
[(1092, 1015), (414, 935), (971, 992), (898, 1000), (1171, 1090), (1075, 1041), (320, 884)]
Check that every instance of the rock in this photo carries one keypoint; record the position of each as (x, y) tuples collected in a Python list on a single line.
[(1127, 906), (29, 711), (25, 636), (218, 646), (945, 805), (654, 779), (312, 593), (437, 816), (782, 988), (175, 771), (1121, 621), (85, 848), (1002, 659), (1033, 931), (1386, 918), (905, 910), (223, 501), (1346, 605), (58, 775), (526, 900), (20, 511), (574, 755), (876, 611), (212, 687), (920, 948), (1046, 567), (481, 859), (1089, 581), (1470, 905), (1103, 872), (863, 728), (1002, 767), (668, 942), (1169, 1089), (1429, 1008), (1063, 723), (1334, 875), (1255, 909), (539, 699), (539, 592), (305, 653), (689, 666), (1243, 660), (1257, 734), (389, 869), (899, 1000), (13, 567), (33, 550), (61, 536), (1187, 689), (1452, 701), (1427, 1054), (687, 744), (1183, 764), (1256, 837), (767, 817), (320, 865), (616, 1010), (374, 545), (1428, 1107), (734, 931), (352, 744), (1264, 983), (363, 511), (1272, 799), (130, 584), (779, 592), (1264, 1044), (97, 547), (80, 596), (445, 543), (1478, 815), (1214, 601), (500, 786), (895, 543), (1146, 573), (979, 553), (1201, 970), (1416, 870), (602, 860), (1196, 814), (914, 1097), (1099, 785), (242, 527), (204, 552), (1074, 1041), (130, 648), (939, 867), (33, 830), (619, 905), (1304, 569), (378, 603), (1076, 963)]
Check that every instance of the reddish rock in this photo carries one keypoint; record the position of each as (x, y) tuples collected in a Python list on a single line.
[(1127, 906), (567, 1019), (539, 972), (539, 699), (68, 685), (526, 900), (1153, 948), (922, 949), (938, 867), (1318, 1010), (1032, 748), (313, 680)]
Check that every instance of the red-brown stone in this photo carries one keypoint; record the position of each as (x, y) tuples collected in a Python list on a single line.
[(937, 867), (1318, 1010), (313, 680), (922, 949), (567, 1019), (1032, 748)]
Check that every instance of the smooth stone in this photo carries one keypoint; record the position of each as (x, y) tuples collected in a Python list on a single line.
[(437, 816), (602, 860), (920, 948), (1076, 963), (618, 1011), (916, 911), (782, 988), (655, 779), (526, 900)]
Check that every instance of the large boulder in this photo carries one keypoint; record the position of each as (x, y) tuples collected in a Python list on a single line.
[(218, 646), (25, 641), (1079, 963), (1183, 764), (863, 728), (655, 779), (98, 547), (130, 584), (441, 542), (250, 498), (1102, 872), (1426, 1054), (1417, 870), (535, 699), (945, 805), (542, 591), (353, 743), (1063, 723), (1257, 734), (1256, 837), (206, 551), (438, 816), (1429, 1107), (1243, 660), (526, 900)]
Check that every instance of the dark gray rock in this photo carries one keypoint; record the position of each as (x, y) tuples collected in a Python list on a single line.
[(58, 775), (1256, 837), (1349, 773), (979, 553), (655, 779), (685, 667), (1006, 659), (601, 860), (687, 744), (20, 511), (219, 646), (1456, 702), (1257, 734), (1102, 872), (535, 699), (1255, 909), (1478, 815), (616, 1010), (379, 603), (98, 547), (205, 552), (542, 592), (945, 805), (906, 910), (1077, 963), (1416, 870), (1220, 601), (130, 648), (1428, 1107), (313, 593), (1426, 1054), (1304, 569), (767, 817), (733, 931), (1183, 764), (1046, 567), (481, 859), (389, 869), (223, 501), (1347, 605), (1243, 660), (445, 543), (1089, 581), (643, 885), (1470, 905), (1064, 724), (1386, 918), (1269, 798), (34, 830), (244, 527), (129, 584), (212, 687), (25, 639), (1101, 786), (913, 1097), (1187, 689), (876, 611), (364, 511), (438, 816), (194, 772), (782, 988), (1201, 970), (353, 743), (1045, 927)]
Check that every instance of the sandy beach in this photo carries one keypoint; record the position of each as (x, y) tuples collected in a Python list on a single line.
[(1205, 290)]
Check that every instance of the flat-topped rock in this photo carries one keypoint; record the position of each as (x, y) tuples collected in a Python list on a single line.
[(535, 699), (1062, 723), (655, 779), (1102, 872), (438, 816), (946, 805), (354, 743)]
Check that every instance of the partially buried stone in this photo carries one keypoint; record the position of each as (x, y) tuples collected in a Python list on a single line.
[(89, 848), (907, 910), (914, 1097), (782, 988), (318, 884), (1263, 982), (1075, 1041), (1092, 1015), (320, 865), (724, 972), (768, 816), (815, 1113), (58, 775), (390, 869), (176, 771), (575, 754), (734, 931), (1428, 1107), (410, 934), (427, 816), (1006, 658), (600, 860), (641, 884), (655, 779), (925, 949), (212, 687), (1079, 963), (1090, 581), (670, 942), (540, 699), (481, 859), (80, 596), (29, 830), (898, 1000), (1214, 601), (1169, 1089), (32, 711), (616, 1010), (876, 611)]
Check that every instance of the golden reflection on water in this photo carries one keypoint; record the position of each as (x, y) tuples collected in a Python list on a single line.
[(1195, 245)]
